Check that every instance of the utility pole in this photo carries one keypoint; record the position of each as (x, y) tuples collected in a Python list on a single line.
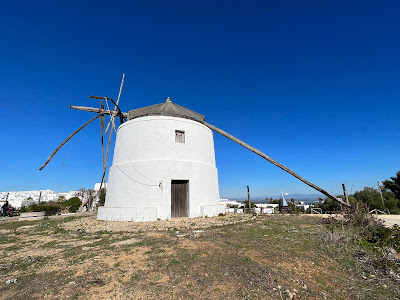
[(40, 196), (345, 194), (248, 198)]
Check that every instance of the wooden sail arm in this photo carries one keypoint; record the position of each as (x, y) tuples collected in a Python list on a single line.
[(115, 103), (66, 140), (98, 110), (279, 165)]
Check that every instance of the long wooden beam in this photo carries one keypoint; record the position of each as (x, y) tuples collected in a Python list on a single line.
[(66, 140), (97, 110), (279, 165)]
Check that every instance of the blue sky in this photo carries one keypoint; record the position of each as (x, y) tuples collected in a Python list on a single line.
[(313, 84)]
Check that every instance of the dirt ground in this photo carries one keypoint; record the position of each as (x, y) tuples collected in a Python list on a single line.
[(236, 256)]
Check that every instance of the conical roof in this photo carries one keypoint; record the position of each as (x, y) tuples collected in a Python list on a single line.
[(167, 108)]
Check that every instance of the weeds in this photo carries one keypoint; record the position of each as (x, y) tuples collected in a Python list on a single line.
[(265, 258), (135, 277), (364, 225)]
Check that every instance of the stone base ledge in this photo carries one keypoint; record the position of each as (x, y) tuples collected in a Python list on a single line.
[(212, 210), (135, 214)]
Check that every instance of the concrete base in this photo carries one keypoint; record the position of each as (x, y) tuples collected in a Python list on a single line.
[(144, 214), (212, 210), (136, 214)]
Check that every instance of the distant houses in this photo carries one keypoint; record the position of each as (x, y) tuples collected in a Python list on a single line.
[(260, 208), (18, 199), (25, 198), (238, 207)]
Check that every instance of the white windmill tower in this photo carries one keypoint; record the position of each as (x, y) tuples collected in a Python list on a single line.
[(163, 167), (164, 163)]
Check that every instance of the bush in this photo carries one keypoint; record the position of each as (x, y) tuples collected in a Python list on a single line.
[(328, 206), (370, 228), (51, 208), (74, 203), (358, 215), (384, 237)]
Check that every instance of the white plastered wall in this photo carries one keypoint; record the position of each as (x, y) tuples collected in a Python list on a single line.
[(147, 158)]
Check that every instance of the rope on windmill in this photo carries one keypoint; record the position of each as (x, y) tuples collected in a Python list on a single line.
[(134, 179), (159, 183)]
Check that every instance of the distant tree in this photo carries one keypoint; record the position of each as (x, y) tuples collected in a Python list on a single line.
[(88, 195), (328, 206), (246, 204), (61, 198), (393, 185), (233, 206), (81, 193), (352, 200), (276, 201), (372, 198), (293, 208), (73, 203)]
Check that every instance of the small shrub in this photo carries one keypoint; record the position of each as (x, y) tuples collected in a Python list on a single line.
[(51, 208), (135, 277), (358, 215), (370, 228), (74, 203), (384, 237)]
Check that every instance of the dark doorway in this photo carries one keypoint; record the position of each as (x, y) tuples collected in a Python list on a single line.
[(179, 198)]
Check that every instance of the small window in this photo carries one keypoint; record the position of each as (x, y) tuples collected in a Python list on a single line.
[(179, 136)]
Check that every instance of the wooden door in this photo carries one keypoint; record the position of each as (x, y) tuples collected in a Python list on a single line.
[(179, 198)]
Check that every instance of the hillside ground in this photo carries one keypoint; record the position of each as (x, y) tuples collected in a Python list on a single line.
[(225, 257)]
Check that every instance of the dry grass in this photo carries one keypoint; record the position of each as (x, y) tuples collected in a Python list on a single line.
[(236, 257)]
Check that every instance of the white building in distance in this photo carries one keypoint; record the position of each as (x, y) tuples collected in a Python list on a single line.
[(17, 199)]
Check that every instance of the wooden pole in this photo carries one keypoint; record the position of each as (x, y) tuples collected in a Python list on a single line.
[(106, 161), (66, 140), (102, 133), (97, 110), (345, 193), (279, 165), (248, 199), (116, 104)]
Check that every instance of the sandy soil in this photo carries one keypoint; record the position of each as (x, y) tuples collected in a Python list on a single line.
[(236, 256)]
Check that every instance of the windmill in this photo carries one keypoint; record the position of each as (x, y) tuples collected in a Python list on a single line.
[(284, 203), (153, 165)]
